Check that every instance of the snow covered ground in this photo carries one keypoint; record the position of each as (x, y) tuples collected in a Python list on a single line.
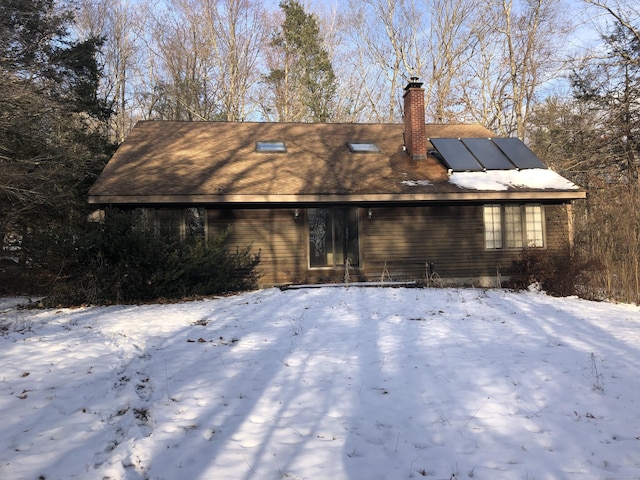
[(325, 383)]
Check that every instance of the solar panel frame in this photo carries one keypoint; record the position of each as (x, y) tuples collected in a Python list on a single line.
[(455, 155), (519, 154), (488, 154)]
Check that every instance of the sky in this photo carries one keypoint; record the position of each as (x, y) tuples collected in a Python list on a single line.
[(323, 383)]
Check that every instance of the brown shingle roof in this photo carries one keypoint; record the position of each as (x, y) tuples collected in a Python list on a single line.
[(217, 161)]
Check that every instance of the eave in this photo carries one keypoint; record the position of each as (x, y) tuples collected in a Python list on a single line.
[(467, 196)]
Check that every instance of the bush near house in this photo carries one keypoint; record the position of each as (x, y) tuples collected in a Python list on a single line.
[(118, 262), (558, 275)]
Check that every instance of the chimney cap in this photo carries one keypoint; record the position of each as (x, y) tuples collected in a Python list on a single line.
[(414, 82)]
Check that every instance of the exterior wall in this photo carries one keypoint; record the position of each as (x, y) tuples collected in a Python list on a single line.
[(276, 234), (406, 239), (398, 241), (452, 238)]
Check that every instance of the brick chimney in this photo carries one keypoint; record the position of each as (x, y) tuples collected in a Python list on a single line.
[(415, 134)]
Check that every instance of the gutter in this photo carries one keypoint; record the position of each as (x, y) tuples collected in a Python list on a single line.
[(333, 198)]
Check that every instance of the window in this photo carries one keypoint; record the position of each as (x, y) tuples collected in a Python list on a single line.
[(363, 147), (185, 223), (534, 225), (492, 227), (271, 147), (513, 226), (333, 237)]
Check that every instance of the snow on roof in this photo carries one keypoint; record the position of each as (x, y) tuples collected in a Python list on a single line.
[(417, 183), (534, 178)]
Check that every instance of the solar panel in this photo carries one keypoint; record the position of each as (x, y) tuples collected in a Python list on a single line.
[(488, 154), (455, 155), (519, 153)]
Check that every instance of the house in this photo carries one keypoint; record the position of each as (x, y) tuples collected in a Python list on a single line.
[(383, 201)]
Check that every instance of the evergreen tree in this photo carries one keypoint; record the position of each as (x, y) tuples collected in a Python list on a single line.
[(51, 142), (303, 82), (612, 88)]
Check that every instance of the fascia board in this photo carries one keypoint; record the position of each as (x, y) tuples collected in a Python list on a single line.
[(356, 198)]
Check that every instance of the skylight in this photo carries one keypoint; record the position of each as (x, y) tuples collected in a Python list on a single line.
[(363, 147), (271, 146)]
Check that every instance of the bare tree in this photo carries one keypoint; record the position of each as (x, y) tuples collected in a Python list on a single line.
[(202, 58), (624, 13), (236, 33), (516, 53), (593, 138), (362, 85), (389, 47), (452, 39), (478, 61), (348, 104), (181, 81), (609, 84), (484, 86), (117, 24)]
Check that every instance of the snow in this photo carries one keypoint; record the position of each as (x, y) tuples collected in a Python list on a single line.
[(538, 178), (324, 383), (417, 183)]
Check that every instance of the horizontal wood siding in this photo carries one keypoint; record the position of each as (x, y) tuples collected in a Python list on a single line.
[(400, 241), (557, 219), (405, 240), (279, 238)]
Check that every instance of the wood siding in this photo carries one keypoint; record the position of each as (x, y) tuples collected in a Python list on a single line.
[(399, 240), (451, 237), (274, 233)]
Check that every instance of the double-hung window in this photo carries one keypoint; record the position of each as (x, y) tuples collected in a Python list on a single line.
[(513, 226), (333, 237)]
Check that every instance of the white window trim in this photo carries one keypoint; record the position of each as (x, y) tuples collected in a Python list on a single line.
[(503, 237)]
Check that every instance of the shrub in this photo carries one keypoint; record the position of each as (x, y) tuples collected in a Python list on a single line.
[(559, 275), (119, 262)]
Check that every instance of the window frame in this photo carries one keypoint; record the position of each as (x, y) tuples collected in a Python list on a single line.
[(363, 148), (493, 229), (518, 226), (271, 146), (350, 211), (152, 222)]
